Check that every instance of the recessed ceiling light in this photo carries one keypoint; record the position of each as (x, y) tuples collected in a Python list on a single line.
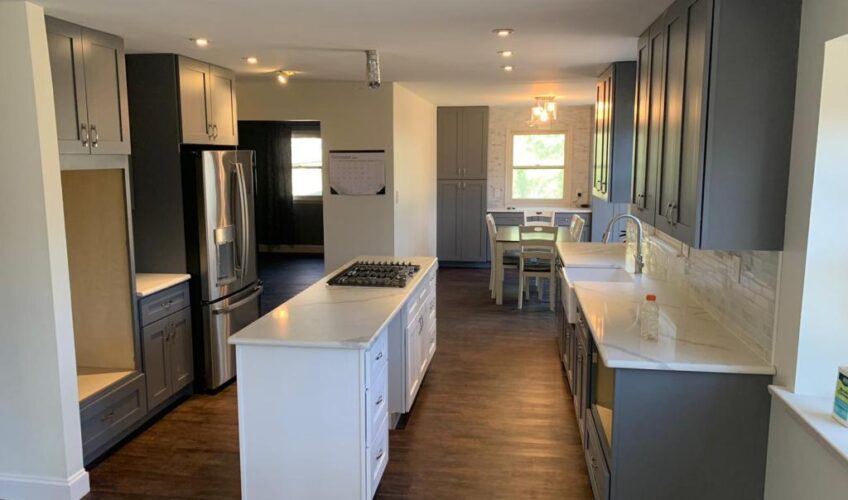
[(200, 42), (503, 32), (282, 77), (505, 53), (251, 60), (507, 68)]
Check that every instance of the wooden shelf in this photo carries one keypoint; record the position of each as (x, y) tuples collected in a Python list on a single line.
[(93, 380)]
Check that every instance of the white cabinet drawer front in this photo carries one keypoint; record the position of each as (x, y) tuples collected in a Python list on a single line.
[(376, 358), (378, 457), (376, 402)]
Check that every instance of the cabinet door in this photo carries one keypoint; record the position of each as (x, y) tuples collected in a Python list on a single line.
[(640, 152), (64, 43), (656, 47), (195, 103), (669, 160), (598, 142), (447, 220), (106, 93), (447, 142), (223, 103), (687, 203), (473, 142), (472, 225), (413, 357), (180, 351), (157, 367), (606, 146)]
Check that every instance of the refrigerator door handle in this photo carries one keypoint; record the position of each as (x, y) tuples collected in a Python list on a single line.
[(257, 290), (245, 235)]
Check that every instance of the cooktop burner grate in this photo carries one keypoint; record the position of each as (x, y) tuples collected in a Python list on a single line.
[(375, 274)]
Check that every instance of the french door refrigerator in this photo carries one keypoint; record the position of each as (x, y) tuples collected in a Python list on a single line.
[(221, 244)]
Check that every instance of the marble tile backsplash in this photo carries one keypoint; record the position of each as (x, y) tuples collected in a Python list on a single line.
[(739, 288), (574, 119)]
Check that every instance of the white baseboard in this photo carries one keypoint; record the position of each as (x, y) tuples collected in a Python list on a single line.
[(15, 487)]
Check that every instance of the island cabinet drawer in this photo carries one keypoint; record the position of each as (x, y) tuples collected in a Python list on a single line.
[(378, 457), (376, 403), (598, 471), (113, 413), (376, 358), (157, 306)]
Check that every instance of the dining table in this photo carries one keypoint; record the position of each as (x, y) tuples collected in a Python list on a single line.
[(508, 239)]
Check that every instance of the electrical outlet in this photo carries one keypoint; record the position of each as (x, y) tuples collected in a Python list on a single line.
[(736, 267)]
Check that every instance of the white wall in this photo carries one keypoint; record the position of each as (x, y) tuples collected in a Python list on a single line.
[(40, 444), (810, 280), (415, 173), (574, 120), (799, 466), (352, 116)]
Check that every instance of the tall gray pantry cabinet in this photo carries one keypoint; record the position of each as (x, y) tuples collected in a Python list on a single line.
[(462, 159)]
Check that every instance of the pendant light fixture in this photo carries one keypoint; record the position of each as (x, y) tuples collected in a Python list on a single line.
[(543, 112)]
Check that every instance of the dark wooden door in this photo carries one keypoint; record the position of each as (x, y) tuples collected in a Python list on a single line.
[(155, 357), (64, 42), (106, 93), (473, 142), (472, 226), (179, 350), (447, 142), (447, 219)]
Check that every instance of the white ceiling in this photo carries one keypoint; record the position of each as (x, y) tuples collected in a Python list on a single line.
[(443, 49)]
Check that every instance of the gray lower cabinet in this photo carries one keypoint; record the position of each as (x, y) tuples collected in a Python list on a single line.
[(667, 435), (108, 418), (89, 89), (167, 352), (461, 224)]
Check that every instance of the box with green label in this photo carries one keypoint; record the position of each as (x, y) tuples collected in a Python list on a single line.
[(840, 404)]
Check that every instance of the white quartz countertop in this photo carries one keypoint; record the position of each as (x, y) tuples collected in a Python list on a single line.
[(333, 317), (150, 283), (690, 338), (570, 210)]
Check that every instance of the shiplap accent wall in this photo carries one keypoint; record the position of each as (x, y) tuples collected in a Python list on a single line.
[(739, 288), (576, 119)]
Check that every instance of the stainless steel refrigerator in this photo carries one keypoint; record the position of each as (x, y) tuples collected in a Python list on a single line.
[(221, 254)]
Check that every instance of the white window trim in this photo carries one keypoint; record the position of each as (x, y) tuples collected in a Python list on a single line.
[(567, 170)]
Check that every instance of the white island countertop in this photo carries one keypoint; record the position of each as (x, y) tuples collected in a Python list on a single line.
[(690, 338), (150, 283), (333, 317)]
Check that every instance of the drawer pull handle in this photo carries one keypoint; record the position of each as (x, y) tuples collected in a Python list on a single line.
[(379, 456), (107, 416), (379, 401), (594, 464), (379, 356)]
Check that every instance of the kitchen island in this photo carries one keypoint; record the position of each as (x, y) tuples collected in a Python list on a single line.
[(322, 378)]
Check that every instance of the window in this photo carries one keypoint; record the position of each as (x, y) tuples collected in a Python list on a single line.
[(537, 167), (306, 165)]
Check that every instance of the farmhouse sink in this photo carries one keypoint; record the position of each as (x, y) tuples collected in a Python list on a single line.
[(594, 274)]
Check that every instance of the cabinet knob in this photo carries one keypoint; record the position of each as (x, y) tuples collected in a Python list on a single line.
[(379, 356), (379, 401), (95, 136), (379, 456)]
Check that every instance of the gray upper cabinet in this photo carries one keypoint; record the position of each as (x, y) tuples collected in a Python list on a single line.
[(612, 154), (89, 89), (462, 142), (714, 111), (207, 103)]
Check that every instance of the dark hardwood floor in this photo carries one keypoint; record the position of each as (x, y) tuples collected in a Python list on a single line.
[(492, 420), (286, 275)]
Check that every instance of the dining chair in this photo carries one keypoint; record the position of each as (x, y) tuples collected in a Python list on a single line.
[(510, 257), (536, 259), (575, 229), (539, 218)]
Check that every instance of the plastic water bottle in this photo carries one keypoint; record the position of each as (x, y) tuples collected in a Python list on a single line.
[(649, 318)]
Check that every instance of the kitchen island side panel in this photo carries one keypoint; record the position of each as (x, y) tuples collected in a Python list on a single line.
[(301, 433)]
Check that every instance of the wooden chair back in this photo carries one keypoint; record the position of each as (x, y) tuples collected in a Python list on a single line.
[(538, 218)]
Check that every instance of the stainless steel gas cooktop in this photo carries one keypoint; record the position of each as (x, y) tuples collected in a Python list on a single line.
[(375, 274)]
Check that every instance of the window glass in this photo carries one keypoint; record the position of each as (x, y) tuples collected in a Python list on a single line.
[(542, 150), (306, 166), (537, 183)]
